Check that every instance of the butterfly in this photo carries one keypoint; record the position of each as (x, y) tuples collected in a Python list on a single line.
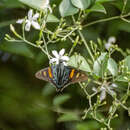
[(61, 76)]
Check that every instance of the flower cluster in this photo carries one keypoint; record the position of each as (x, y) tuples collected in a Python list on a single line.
[(32, 19)]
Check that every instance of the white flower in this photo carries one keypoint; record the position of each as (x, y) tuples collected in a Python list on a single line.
[(109, 43), (32, 20), (114, 85), (103, 93), (59, 57), (104, 90), (46, 5), (112, 39)]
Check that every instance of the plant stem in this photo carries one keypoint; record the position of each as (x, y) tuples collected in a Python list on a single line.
[(37, 46), (84, 41), (86, 45), (105, 20)]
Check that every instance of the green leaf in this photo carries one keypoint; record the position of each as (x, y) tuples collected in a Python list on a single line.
[(127, 62), (100, 65), (112, 67), (17, 48), (89, 125), (103, 1), (48, 89), (11, 4), (52, 18), (97, 8), (7, 23), (71, 116), (58, 100), (36, 4), (79, 62), (81, 4), (122, 78), (66, 8)]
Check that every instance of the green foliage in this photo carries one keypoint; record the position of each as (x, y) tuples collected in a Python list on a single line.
[(66, 8), (84, 29), (52, 18), (97, 8), (16, 48), (112, 67), (100, 65), (127, 62), (33, 3), (61, 99), (69, 116), (103, 1), (10, 4), (81, 4), (81, 63), (90, 125)]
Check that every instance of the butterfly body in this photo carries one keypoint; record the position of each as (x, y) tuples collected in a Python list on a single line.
[(61, 76)]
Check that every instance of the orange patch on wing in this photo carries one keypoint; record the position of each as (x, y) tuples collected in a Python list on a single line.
[(72, 73), (49, 72)]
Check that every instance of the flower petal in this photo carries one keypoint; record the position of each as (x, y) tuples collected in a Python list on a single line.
[(94, 89), (45, 4), (35, 16), (65, 58), (112, 40), (27, 26), (55, 53), (20, 21), (102, 95), (108, 45), (65, 63), (36, 25), (52, 60), (50, 9), (62, 51), (30, 12), (57, 62), (114, 85)]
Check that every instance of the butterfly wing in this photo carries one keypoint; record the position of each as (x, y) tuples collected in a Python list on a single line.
[(74, 76), (43, 74), (78, 76)]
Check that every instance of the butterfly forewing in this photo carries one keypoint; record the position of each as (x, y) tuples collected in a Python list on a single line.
[(43, 74), (77, 76)]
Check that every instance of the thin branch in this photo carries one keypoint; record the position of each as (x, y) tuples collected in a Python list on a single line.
[(106, 20)]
